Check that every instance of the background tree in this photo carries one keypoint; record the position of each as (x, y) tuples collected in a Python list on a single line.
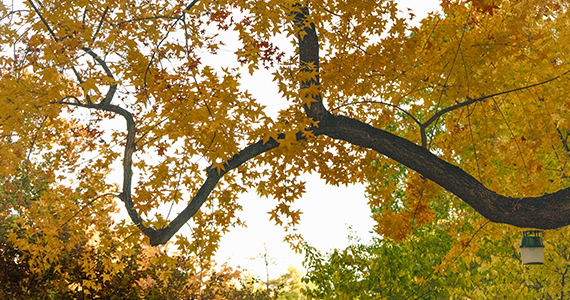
[(480, 85), (286, 286), (439, 262), (47, 252), (458, 255)]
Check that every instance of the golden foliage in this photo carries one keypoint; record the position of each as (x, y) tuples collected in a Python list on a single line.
[(481, 84)]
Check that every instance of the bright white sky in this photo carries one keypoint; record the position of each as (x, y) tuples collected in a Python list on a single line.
[(328, 211)]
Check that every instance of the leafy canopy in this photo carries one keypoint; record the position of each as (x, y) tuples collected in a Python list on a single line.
[(480, 85)]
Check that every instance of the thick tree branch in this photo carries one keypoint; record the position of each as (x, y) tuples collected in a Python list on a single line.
[(161, 236), (549, 211), (545, 212), (130, 148), (309, 60)]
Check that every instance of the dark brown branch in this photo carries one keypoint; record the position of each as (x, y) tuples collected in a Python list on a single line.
[(161, 236), (80, 80), (103, 64), (545, 212), (549, 211), (130, 148), (189, 7), (470, 101), (100, 23), (52, 33), (309, 60)]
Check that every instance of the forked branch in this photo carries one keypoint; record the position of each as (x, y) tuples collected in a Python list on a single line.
[(483, 98)]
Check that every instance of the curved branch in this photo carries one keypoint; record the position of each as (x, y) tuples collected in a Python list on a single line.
[(380, 102), (130, 148), (545, 212), (103, 64), (471, 101), (161, 236), (549, 211)]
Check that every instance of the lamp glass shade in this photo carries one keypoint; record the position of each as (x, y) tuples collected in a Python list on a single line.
[(532, 248)]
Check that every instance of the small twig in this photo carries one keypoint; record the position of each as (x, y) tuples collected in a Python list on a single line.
[(80, 82), (514, 137), (160, 42), (145, 19), (471, 100), (35, 138), (43, 20), (473, 143), (100, 23), (379, 102), (175, 192), (84, 206), (447, 79)]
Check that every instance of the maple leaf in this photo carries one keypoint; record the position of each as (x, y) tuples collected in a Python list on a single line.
[(485, 6)]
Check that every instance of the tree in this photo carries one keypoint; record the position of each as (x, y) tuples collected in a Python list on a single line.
[(458, 255), (286, 286), (473, 100), (86, 257), (441, 261)]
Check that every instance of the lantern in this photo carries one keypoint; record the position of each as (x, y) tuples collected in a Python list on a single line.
[(532, 248)]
